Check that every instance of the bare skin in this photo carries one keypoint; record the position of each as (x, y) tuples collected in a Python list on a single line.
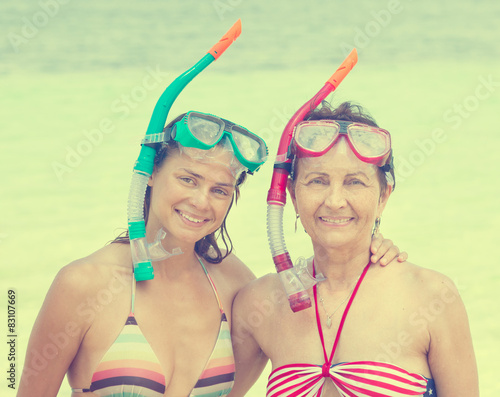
[(97, 302), (405, 315), (423, 333), (89, 300)]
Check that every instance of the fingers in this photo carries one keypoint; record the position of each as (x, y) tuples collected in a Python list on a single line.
[(403, 256), (386, 252), (377, 240)]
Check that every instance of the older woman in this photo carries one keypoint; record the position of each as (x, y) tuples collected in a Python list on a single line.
[(368, 332)]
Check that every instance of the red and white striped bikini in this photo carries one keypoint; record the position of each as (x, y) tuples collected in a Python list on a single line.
[(351, 379)]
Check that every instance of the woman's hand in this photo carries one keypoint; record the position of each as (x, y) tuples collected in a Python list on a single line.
[(384, 251)]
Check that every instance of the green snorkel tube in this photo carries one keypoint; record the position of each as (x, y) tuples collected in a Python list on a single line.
[(143, 169)]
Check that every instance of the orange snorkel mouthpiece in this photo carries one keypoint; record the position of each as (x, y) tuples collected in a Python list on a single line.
[(344, 68), (232, 34)]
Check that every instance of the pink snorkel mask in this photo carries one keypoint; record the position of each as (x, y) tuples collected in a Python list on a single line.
[(370, 144), (296, 280)]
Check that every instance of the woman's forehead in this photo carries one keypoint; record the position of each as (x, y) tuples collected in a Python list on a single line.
[(215, 169), (339, 159)]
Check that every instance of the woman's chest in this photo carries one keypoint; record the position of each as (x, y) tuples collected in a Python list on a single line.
[(371, 330), (174, 332)]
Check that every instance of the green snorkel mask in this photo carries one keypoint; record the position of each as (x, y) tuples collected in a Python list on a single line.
[(143, 169), (204, 131)]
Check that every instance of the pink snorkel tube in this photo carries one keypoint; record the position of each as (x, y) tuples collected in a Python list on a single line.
[(294, 281)]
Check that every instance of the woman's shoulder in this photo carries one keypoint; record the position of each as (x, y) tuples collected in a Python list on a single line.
[(266, 283), (423, 282), (80, 286), (266, 288), (97, 270), (233, 270)]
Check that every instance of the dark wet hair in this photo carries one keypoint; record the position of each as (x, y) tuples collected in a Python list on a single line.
[(207, 247), (346, 111)]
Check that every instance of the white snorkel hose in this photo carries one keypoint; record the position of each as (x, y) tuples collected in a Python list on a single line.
[(143, 169), (296, 279)]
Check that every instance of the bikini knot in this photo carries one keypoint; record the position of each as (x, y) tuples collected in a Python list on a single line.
[(325, 370)]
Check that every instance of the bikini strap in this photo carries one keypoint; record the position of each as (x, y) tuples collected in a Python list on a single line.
[(212, 284), (328, 361), (132, 302), (318, 321)]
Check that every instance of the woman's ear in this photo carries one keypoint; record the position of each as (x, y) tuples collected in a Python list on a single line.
[(384, 197), (290, 186), (151, 179)]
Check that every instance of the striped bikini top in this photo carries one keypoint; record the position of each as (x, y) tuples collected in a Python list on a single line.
[(351, 379), (130, 368)]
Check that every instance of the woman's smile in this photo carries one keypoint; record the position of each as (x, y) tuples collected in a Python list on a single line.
[(337, 197), (336, 221), (191, 219), (190, 198)]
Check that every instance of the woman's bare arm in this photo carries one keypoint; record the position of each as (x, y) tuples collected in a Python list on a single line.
[(56, 335), (250, 359), (451, 355)]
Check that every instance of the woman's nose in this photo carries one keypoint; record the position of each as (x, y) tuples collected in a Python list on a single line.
[(199, 199), (335, 197)]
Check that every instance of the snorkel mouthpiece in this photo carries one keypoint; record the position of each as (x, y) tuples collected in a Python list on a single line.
[(231, 35), (282, 165), (143, 169), (291, 279)]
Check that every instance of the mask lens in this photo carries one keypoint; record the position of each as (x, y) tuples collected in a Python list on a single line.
[(250, 148), (207, 130), (316, 138), (369, 141)]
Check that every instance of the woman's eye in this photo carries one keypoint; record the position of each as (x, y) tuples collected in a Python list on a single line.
[(186, 179), (221, 192), (355, 182), (316, 181)]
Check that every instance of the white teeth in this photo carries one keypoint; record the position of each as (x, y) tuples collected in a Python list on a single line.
[(190, 219), (336, 221)]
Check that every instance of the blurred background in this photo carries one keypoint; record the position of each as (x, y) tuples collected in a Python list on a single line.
[(80, 80)]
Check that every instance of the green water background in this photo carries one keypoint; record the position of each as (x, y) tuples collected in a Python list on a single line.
[(79, 81)]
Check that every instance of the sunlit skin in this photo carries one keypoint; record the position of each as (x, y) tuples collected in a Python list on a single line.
[(338, 198), (190, 198), (178, 313)]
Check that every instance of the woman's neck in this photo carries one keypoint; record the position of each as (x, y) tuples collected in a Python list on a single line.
[(182, 259), (177, 267), (341, 266)]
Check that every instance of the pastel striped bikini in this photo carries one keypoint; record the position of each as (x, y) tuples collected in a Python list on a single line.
[(351, 379), (130, 368)]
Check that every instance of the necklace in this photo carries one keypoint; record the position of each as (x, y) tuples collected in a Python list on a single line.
[(329, 316)]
